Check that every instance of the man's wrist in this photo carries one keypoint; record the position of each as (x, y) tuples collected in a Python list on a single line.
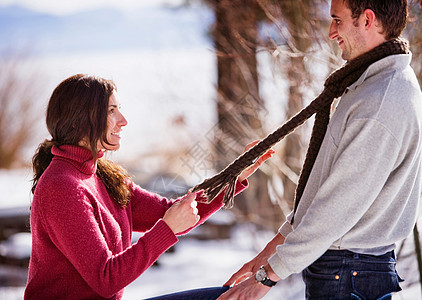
[(271, 274), (262, 277)]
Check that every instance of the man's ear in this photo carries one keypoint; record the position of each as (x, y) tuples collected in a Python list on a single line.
[(369, 18)]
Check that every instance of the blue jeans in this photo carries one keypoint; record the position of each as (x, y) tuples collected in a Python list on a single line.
[(342, 274), (199, 294)]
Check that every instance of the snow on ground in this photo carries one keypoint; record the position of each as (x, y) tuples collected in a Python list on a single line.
[(15, 188)]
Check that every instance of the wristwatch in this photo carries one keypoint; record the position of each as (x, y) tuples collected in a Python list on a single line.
[(261, 277)]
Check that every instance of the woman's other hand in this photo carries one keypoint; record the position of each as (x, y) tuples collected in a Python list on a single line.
[(250, 170), (183, 214)]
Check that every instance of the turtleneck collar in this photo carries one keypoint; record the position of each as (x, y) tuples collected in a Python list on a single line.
[(78, 156)]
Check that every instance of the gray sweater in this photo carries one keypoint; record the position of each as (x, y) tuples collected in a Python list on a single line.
[(363, 191)]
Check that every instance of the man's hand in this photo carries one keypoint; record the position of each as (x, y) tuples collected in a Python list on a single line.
[(245, 284), (246, 290), (247, 270), (251, 267)]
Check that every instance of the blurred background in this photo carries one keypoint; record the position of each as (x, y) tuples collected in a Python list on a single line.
[(198, 80)]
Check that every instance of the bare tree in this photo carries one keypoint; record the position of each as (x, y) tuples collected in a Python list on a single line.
[(239, 105), (19, 88), (302, 28)]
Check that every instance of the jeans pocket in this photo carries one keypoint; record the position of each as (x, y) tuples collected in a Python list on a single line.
[(370, 285), (320, 285)]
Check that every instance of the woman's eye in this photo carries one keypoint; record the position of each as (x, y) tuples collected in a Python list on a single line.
[(111, 111)]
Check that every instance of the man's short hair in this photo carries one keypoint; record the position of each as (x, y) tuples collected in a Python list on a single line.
[(391, 13)]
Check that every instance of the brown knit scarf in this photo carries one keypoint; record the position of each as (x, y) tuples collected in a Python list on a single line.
[(334, 87)]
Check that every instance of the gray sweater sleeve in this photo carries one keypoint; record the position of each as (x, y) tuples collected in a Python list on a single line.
[(367, 150)]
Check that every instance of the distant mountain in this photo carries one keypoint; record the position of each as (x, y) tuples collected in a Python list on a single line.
[(105, 29)]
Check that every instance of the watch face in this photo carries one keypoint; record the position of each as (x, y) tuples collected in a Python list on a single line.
[(260, 275)]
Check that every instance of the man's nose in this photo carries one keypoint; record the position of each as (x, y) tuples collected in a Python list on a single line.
[(333, 30)]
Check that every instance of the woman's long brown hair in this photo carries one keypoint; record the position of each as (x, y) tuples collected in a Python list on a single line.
[(77, 111)]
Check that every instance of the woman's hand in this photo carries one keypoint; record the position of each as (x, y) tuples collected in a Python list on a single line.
[(250, 170), (183, 214)]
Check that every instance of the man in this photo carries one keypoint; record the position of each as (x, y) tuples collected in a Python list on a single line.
[(362, 195)]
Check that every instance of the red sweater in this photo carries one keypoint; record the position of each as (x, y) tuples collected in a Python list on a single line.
[(81, 239)]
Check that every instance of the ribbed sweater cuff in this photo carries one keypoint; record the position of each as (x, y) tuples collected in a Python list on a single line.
[(161, 236), (279, 267), (285, 229)]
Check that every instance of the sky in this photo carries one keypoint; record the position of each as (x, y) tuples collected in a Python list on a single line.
[(70, 6)]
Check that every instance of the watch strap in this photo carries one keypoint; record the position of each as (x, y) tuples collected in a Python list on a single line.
[(268, 282)]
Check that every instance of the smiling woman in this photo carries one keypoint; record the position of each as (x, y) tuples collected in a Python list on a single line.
[(85, 207), (115, 122)]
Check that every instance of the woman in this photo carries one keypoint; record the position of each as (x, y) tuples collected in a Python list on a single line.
[(85, 207)]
